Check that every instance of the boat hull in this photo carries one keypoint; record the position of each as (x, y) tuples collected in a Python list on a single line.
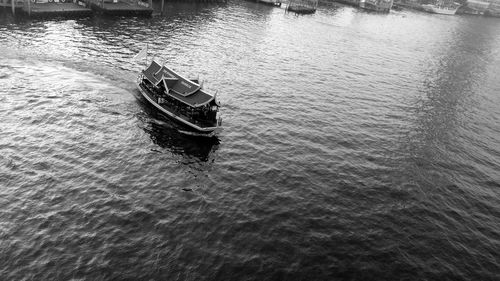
[(436, 10), (188, 127), (381, 8), (300, 9)]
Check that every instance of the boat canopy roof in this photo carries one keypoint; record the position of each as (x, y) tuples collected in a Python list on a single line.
[(176, 86)]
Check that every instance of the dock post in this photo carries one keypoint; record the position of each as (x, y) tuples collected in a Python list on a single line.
[(29, 7), (150, 2), (162, 6), (13, 7)]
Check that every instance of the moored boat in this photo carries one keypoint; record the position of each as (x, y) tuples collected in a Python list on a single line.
[(441, 9), (302, 6), (181, 99), (474, 7), (383, 6)]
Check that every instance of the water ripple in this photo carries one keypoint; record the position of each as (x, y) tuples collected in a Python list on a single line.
[(356, 146)]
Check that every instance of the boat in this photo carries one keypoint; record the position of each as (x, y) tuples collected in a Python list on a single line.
[(18, 4), (182, 100), (440, 9), (383, 6), (302, 6), (408, 4)]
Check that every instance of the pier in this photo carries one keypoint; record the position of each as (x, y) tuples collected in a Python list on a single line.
[(82, 8), (302, 6), (14, 5), (64, 9), (78, 8)]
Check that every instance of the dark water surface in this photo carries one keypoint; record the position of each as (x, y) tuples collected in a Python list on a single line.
[(357, 146)]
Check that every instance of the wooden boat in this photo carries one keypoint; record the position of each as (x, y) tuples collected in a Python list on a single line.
[(181, 99), (441, 8), (383, 6), (302, 6), (271, 2)]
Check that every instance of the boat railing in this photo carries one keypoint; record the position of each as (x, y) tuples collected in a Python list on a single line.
[(179, 111)]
